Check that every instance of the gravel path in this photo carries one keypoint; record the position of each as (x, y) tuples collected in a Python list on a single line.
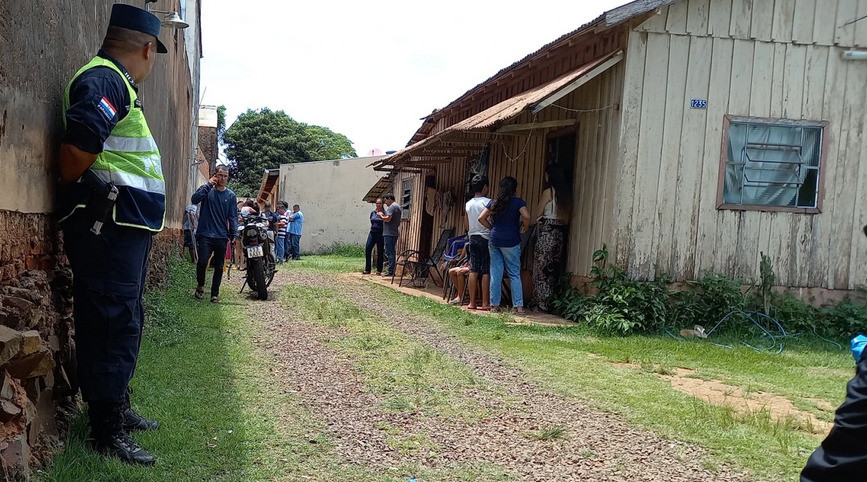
[(597, 446)]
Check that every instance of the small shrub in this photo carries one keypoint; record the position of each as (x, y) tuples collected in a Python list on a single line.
[(844, 319), (712, 298), (795, 315), (621, 305)]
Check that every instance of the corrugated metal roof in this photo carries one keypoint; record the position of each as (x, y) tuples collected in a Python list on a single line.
[(490, 118), (379, 189), (513, 106)]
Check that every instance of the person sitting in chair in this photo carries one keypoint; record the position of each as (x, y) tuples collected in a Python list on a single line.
[(458, 274)]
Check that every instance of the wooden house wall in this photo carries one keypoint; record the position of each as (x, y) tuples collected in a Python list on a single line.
[(760, 58), (410, 226), (522, 155)]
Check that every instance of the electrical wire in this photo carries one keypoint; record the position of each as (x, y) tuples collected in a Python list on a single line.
[(776, 336)]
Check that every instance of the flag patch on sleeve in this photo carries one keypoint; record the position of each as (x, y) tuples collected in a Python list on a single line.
[(106, 108)]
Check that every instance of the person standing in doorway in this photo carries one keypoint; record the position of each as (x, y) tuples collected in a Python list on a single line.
[(218, 224), (112, 201), (296, 222), (552, 221), (390, 230), (480, 256)]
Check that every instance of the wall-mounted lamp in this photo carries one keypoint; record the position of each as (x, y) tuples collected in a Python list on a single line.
[(854, 55), (170, 18)]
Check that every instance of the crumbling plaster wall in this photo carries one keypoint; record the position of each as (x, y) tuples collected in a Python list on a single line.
[(42, 44)]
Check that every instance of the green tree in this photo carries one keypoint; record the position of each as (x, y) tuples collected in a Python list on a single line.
[(221, 123), (324, 144), (264, 139)]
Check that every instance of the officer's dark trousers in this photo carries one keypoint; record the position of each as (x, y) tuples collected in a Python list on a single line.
[(205, 247), (843, 454), (109, 277)]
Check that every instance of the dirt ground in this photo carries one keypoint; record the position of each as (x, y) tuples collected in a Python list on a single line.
[(595, 446)]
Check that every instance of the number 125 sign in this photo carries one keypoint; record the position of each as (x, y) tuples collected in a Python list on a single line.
[(698, 104)]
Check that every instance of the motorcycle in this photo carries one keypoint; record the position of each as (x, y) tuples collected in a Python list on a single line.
[(258, 246)]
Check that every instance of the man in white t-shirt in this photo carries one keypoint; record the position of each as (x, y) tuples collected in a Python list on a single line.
[(480, 257)]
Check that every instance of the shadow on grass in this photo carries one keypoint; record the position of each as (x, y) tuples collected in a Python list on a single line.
[(187, 379)]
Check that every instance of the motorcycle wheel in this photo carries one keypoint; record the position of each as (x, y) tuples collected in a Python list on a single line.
[(256, 277), (270, 271)]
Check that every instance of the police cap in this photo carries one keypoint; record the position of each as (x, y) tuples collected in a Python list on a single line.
[(134, 18)]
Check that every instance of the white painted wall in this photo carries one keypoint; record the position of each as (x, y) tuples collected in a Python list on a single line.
[(330, 194)]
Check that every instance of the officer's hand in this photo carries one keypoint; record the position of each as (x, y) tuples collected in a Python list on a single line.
[(213, 180)]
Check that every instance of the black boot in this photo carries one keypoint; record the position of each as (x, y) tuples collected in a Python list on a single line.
[(132, 421), (109, 437)]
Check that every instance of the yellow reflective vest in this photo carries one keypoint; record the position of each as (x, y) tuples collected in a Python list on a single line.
[(131, 159)]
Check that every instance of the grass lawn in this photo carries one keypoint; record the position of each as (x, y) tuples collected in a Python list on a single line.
[(621, 375), (225, 418)]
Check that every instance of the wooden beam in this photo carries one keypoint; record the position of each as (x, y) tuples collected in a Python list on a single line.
[(536, 125), (432, 160), (634, 9), (563, 92)]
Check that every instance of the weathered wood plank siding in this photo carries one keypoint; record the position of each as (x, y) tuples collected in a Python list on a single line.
[(759, 58), (596, 106)]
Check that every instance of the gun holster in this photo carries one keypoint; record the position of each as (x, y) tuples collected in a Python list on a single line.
[(102, 202)]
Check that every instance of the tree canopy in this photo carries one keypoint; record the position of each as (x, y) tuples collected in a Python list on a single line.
[(264, 139)]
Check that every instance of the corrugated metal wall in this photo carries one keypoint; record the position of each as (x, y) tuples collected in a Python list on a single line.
[(762, 58)]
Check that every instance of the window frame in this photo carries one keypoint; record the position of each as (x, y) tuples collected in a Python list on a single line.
[(823, 156), (406, 196)]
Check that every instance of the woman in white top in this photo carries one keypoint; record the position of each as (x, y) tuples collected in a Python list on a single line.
[(552, 224)]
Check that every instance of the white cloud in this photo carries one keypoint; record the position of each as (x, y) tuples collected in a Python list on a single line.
[(369, 70)]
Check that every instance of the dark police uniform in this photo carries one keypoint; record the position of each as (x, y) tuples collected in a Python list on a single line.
[(103, 116), (843, 454)]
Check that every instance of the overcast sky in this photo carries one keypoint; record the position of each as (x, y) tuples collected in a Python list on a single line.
[(370, 70)]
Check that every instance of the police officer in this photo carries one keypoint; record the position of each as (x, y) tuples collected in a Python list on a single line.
[(843, 454), (108, 152)]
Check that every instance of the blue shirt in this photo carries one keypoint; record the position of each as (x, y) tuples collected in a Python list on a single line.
[(218, 215), (506, 228), (297, 222), (375, 222)]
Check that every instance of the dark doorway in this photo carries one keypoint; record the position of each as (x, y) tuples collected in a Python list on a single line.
[(560, 149)]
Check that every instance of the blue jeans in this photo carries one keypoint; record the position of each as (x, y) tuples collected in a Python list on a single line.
[(374, 239), (294, 246), (510, 258), (390, 244), (281, 248)]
